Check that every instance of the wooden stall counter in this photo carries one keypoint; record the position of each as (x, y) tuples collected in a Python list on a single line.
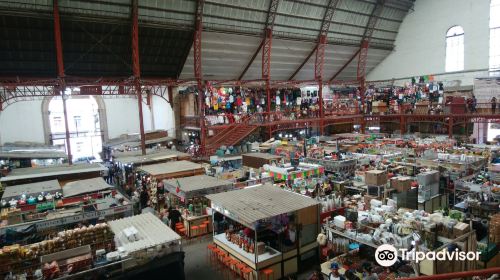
[(191, 221), (269, 257)]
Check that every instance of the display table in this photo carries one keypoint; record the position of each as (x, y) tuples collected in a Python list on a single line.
[(196, 221), (271, 256)]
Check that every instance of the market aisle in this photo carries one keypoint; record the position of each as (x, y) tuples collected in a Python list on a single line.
[(195, 261)]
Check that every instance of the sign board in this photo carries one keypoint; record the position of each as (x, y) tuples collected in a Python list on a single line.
[(45, 206), (47, 224)]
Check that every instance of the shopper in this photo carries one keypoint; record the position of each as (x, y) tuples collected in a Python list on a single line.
[(334, 272), (493, 104), (144, 198), (174, 216), (349, 275), (316, 275), (368, 274)]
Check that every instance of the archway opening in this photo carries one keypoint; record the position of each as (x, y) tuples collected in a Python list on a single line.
[(83, 124)]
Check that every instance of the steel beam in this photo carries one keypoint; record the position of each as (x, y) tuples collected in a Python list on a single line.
[(344, 66), (198, 28), (266, 51), (136, 70), (60, 73), (251, 61), (365, 43)]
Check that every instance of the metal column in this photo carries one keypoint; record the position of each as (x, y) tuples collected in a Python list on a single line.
[(450, 127), (198, 72), (266, 53), (136, 68), (365, 43), (60, 73)]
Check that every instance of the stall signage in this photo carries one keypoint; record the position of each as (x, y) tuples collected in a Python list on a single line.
[(82, 217), (45, 206)]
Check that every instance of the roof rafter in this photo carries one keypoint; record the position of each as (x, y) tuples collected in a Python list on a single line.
[(321, 42), (363, 48), (270, 19)]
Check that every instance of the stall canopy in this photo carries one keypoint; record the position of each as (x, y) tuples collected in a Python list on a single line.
[(151, 232), (16, 191), (173, 169), (250, 205), (164, 155), (196, 186), (40, 172), (81, 187)]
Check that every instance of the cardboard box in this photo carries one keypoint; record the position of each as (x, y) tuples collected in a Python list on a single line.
[(375, 177), (401, 184), (460, 229)]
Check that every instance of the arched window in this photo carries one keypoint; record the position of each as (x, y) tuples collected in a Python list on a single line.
[(454, 49)]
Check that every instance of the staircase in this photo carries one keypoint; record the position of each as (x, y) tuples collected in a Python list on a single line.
[(229, 137)]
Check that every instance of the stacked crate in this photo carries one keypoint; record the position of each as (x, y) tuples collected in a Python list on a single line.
[(428, 185)]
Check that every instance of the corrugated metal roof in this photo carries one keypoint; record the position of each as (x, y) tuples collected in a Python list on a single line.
[(56, 170), (170, 167), (85, 186), (253, 204), (16, 191), (233, 30), (196, 183), (151, 232)]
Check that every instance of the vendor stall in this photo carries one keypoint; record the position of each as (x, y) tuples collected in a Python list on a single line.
[(171, 170), (44, 212), (188, 196), (63, 173), (149, 178), (267, 228), (31, 156), (257, 160), (119, 249)]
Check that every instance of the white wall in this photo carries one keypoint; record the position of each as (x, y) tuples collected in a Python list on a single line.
[(420, 43), (163, 115), (22, 121), (123, 116)]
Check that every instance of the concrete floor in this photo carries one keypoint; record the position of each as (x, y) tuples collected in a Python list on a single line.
[(196, 266)]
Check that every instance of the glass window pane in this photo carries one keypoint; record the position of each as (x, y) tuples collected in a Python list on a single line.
[(454, 49)]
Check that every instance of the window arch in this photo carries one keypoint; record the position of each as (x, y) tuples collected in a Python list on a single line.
[(454, 49)]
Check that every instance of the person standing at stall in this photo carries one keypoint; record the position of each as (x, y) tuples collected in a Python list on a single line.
[(368, 274), (493, 104), (334, 272), (174, 216)]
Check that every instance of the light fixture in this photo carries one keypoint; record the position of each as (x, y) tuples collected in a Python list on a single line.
[(281, 135), (185, 133)]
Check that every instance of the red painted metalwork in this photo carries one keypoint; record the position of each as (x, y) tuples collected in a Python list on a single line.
[(450, 128), (303, 63), (266, 50), (60, 88), (136, 69), (251, 61), (170, 92), (365, 43), (198, 71), (331, 81)]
